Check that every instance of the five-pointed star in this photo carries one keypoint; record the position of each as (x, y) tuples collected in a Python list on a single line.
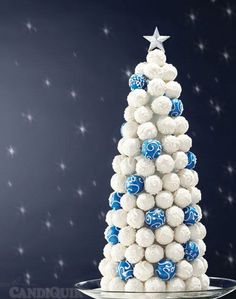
[(156, 40)]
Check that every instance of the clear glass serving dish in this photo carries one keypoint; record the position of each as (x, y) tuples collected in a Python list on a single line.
[(219, 287)]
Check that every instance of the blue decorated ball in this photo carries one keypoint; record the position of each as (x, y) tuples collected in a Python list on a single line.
[(166, 269), (192, 160), (114, 200), (190, 215), (111, 234), (137, 81), (151, 149), (125, 270), (191, 251), (134, 184), (155, 218), (177, 108)]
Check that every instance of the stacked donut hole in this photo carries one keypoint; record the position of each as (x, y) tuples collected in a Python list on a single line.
[(154, 233)]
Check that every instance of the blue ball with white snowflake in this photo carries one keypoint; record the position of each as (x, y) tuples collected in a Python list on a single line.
[(114, 200), (134, 184), (191, 251), (111, 234), (165, 269), (192, 160), (125, 270), (137, 81), (177, 108), (190, 215), (155, 218), (151, 148)]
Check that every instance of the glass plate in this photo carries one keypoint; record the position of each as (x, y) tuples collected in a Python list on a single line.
[(219, 287)]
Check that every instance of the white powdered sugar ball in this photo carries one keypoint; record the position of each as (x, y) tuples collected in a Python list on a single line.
[(116, 284), (131, 146), (120, 146), (129, 129), (181, 125), (145, 201), (127, 166), (174, 251), (175, 285), (171, 182), (198, 267), (173, 89), (118, 252), (147, 131), (202, 247), (169, 72), (181, 160), (155, 284), (152, 71), (135, 218), (182, 233), (164, 199), (161, 105), (193, 284), (197, 231), (185, 142), (184, 270), (134, 285), (134, 254), (156, 87), (128, 202), (111, 269), (105, 283), (129, 113), (205, 281), (166, 125), (170, 144), (137, 98), (145, 237), (102, 266), (165, 164), (139, 69), (196, 194), (107, 250), (116, 163), (118, 183), (156, 56), (109, 217), (196, 178), (182, 197), (127, 236), (187, 179), (119, 218), (154, 253), (145, 167), (164, 235), (143, 271), (205, 263), (153, 184), (143, 114), (174, 216)]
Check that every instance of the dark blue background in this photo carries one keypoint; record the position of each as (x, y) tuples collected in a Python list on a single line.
[(64, 67)]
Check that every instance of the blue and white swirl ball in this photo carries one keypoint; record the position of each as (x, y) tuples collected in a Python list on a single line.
[(191, 251), (114, 200), (192, 160), (166, 269), (111, 234), (137, 81), (155, 218), (125, 270), (190, 215), (134, 184), (177, 108), (151, 149)]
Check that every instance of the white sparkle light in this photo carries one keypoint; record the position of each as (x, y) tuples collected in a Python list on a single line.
[(81, 129), (30, 27), (230, 169), (11, 151), (20, 250), (197, 88), (61, 263), (71, 222), (22, 210), (201, 46), (73, 94), (226, 55), (192, 17), (229, 11), (47, 82), (62, 166), (106, 30), (48, 224), (28, 117), (230, 199), (80, 192), (9, 184)]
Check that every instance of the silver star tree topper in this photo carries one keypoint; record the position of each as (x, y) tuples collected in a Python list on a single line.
[(156, 40)]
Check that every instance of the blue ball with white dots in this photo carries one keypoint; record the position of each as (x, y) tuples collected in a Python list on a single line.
[(191, 251), (165, 269), (190, 215), (151, 148), (111, 234), (192, 160), (114, 200), (125, 270), (155, 218), (134, 184), (177, 108), (137, 81)]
